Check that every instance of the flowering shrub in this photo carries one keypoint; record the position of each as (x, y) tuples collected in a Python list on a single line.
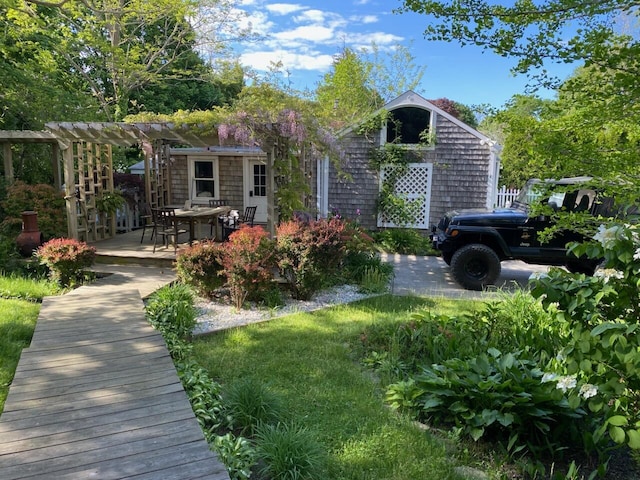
[(600, 365), (66, 259), (248, 259), (200, 266), (309, 253)]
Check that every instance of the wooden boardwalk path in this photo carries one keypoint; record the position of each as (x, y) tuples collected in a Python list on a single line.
[(96, 395)]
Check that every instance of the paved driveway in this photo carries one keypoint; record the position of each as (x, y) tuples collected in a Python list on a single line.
[(431, 276)]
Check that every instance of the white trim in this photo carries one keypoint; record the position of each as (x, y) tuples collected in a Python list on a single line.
[(191, 159), (412, 99), (426, 194), (413, 146), (262, 213), (322, 185)]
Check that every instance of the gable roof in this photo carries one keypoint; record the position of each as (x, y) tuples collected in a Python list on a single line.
[(412, 99)]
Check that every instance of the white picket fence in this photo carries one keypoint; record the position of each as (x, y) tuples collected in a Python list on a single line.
[(128, 218), (505, 196)]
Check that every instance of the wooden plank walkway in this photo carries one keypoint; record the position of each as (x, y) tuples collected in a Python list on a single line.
[(96, 395)]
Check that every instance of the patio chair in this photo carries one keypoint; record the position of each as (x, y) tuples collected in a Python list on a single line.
[(213, 203), (149, 220), (169, 228), (235, 223)]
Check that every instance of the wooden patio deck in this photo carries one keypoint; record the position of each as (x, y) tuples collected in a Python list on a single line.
[(96, 395)]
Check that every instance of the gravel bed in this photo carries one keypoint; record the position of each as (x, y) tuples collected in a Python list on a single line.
[(219, 315)]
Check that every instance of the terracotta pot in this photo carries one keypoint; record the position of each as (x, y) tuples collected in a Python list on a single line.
[(30, 238)]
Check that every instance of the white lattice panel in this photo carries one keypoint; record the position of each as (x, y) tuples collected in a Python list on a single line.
[(415, 187)]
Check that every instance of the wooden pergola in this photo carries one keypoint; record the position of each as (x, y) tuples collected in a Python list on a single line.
[(84, 151), (83, 165)]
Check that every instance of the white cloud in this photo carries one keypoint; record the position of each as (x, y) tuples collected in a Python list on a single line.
[(307, 33), (379, 38), (258, 22), (290, 60), (365, 19), (283, 8), (312, 16)]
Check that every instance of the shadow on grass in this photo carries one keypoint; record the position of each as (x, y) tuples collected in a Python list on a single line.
[(310, 360)]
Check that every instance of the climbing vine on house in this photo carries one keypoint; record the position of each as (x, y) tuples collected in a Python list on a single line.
[(392, 161)]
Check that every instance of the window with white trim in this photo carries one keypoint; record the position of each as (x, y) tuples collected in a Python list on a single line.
[(408, 126), (204, 179)]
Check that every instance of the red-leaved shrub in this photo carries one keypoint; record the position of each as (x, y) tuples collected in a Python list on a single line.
[(199, 266), (66, 258), (309, 254), (248, 262)]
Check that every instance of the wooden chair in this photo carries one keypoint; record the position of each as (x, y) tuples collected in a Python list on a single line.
[(213, 203), (169, 228), (149, 220), (235, 223)]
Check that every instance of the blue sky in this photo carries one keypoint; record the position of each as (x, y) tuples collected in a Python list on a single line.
[(306, 34)]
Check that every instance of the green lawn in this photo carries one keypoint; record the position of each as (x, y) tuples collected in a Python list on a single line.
[(311, 361), (18, 315), (17, 321)]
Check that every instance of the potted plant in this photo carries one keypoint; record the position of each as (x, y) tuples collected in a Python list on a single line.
[(110, 202)]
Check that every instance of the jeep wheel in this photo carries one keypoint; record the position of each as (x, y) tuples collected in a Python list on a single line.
[(475, 266)]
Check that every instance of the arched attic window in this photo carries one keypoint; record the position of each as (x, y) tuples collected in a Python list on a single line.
[(408, 125)]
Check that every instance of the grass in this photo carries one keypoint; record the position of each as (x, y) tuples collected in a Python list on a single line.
[(18, 314), (310, 360)]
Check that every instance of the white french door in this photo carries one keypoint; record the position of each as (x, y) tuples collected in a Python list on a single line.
[(255, 181)]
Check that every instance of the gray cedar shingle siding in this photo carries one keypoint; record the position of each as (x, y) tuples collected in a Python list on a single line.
[(231, 188), (360, 189), (460, 174), (230, 170), (461, 170)]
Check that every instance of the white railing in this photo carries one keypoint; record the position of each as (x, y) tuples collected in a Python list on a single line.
[(127, 218), (505, 196)]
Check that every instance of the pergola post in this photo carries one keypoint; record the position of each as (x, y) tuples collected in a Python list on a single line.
[(70, 192), (55, 165), (272, 221), (8, 162)]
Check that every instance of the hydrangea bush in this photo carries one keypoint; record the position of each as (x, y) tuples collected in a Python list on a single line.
[(599, 367)]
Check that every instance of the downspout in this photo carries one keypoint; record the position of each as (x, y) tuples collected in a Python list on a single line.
[(322, 186), (493, 172)]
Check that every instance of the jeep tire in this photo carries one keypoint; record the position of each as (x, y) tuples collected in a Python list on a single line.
[(475, 266)]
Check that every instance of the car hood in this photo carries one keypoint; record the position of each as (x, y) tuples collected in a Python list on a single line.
[(495, 217)]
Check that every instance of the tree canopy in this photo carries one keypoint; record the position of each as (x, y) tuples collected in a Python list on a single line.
[(568, 31)]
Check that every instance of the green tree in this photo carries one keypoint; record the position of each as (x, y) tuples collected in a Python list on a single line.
[(117, 48), (566, 31), (360, 82), (515, 128), (393, 72), (346, 93), (458, 110)]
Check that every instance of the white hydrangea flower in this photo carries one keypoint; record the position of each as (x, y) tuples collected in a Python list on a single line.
[(607, 236), (636, 255), (587, 390), (566, 382)]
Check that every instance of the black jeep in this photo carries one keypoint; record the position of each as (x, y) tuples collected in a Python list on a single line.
[(474, 242)]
